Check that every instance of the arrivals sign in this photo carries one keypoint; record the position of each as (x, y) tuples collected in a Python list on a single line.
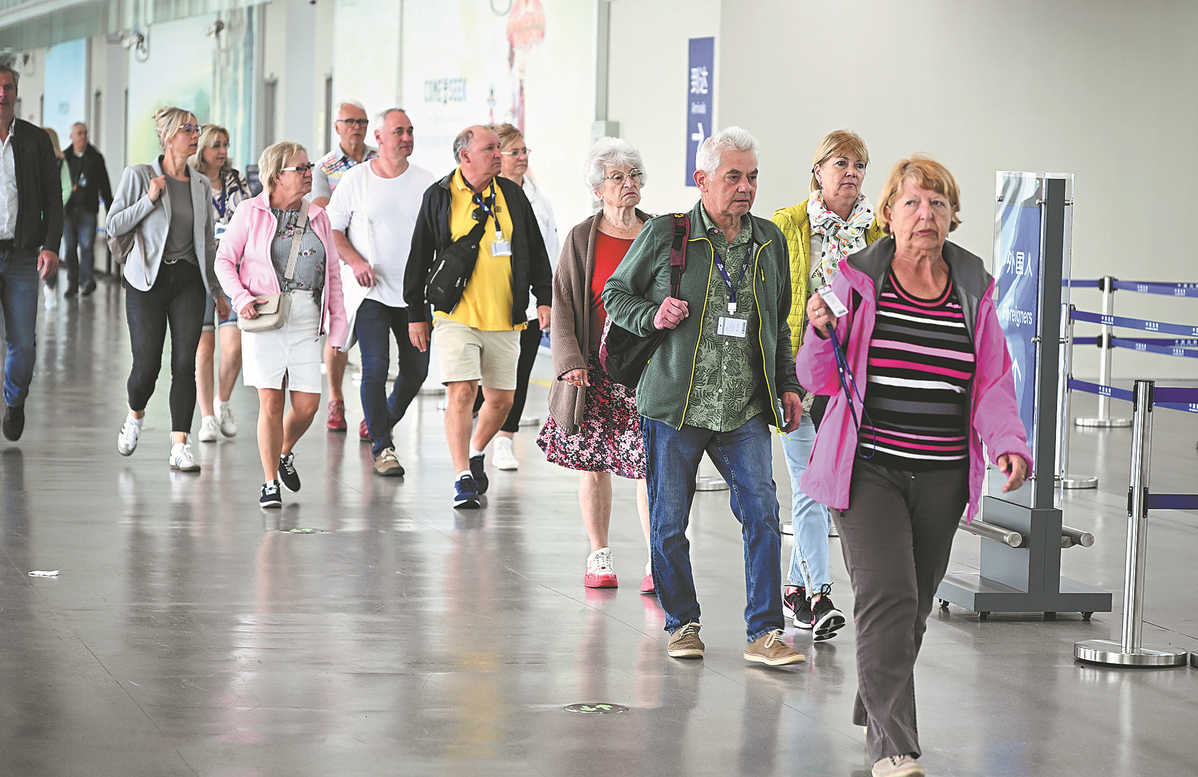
[(699, 106)]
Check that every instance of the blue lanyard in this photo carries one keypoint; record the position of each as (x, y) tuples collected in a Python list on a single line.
[(719, 265), (846, 380), (488, 205), (222, 204)]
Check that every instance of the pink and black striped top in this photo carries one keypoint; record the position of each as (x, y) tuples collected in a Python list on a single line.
[(921, 362)]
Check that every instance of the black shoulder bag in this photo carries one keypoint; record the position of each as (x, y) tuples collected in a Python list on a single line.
[(624, 354), (453, 267)]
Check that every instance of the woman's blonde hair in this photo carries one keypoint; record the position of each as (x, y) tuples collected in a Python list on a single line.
[(208, 138), (837, 143), (924, 172), (54, 142), (167, 122), (274, 159), (508, 134)]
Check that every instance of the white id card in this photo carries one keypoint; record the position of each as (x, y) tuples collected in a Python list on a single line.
[(733, 327), (219, 229), (501, 247), (832, 301)]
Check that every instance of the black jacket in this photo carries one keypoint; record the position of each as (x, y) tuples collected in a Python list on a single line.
[(86, 199), (39, 189), (530, 261)]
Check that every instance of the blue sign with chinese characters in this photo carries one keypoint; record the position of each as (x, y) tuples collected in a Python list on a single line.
[(699, 108), (1019, 300)]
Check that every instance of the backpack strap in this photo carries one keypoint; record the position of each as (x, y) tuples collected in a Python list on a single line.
[(682, 228)]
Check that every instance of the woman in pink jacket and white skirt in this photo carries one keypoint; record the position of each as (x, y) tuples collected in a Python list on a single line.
[(898, 455), (255, 258)]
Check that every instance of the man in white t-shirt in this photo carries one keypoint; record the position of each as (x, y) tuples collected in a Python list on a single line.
[(373, 212)]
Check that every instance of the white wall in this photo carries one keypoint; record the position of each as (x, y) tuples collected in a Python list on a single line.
[(292, 55), (1101, 89)]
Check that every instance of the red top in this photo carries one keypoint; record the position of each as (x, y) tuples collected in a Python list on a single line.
[(609, 252)]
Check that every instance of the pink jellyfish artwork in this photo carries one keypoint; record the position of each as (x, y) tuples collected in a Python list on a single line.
[(525, 29)]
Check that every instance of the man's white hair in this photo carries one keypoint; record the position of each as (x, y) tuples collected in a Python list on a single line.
[(352, 104), (711, 151)]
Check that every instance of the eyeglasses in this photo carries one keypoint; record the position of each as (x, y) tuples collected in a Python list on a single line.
[(618, 177), (305, 168), (356, 122), (189, 128), (518, 152)]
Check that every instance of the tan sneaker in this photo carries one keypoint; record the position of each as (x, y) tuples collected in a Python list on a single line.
[(769, 649), (387, 464), (685, 642), (898, 766)]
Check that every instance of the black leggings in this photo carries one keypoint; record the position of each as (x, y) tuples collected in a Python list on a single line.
[(530, 341), (176, 300)]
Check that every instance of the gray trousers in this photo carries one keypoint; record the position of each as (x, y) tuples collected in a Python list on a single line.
[(896, 537)]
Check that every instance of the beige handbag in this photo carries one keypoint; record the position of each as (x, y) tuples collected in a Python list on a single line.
[(272, 313)]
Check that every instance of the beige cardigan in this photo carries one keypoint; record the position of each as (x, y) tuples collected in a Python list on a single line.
[(570, 320)]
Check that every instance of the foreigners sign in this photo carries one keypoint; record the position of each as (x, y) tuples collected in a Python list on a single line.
[(699, 103)]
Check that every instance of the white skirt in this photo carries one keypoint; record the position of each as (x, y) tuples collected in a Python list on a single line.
[(292, 351)]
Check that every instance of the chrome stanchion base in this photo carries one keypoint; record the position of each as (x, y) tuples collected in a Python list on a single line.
[(530, 420), (1078, 482), (1109, 652), (787, 529), (432, 390), (1102, 423), (708, 483), (1194, 660)]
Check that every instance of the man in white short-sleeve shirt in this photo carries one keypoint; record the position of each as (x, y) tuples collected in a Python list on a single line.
[(373, 212)]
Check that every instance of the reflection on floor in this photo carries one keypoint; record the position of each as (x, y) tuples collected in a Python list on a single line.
[(190, 633)]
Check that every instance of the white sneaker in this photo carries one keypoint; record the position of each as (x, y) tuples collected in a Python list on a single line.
[(126, 441), (228, 424), (208, 428), (181, 459), (51, 297), (502, 456)]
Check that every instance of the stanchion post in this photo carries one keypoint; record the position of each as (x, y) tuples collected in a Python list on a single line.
[(1129, 651), (1064, 394), (1104, 420)]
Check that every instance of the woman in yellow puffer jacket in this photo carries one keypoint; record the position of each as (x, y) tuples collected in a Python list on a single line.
[(835, 221)]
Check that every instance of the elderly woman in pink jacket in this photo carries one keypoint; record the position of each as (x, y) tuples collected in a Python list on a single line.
[(256, 258), (898, 455)]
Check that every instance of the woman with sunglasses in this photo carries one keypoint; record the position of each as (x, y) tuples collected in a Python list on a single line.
[(169, 276), (256, 258)]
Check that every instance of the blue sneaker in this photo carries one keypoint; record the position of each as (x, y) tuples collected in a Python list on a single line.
[(465, 493), (476, 472)]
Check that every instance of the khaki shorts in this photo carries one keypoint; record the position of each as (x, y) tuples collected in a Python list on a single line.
[(466, 353)]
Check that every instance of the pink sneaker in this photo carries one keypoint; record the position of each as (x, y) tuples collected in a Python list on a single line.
[(600, 573), (336, 422), (647, 585), (363, 432)]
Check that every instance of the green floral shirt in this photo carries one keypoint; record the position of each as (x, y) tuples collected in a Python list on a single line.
[(728, 370)]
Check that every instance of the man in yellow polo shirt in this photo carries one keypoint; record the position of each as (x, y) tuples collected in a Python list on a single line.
[(478, 339)]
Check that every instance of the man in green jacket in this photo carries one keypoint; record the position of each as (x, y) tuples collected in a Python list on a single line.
[(718, 381)]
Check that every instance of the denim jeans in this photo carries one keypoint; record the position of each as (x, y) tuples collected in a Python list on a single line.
[(176, 300), (18, 297), (745, 460), (78, 247), (809, 519), (374, 327)]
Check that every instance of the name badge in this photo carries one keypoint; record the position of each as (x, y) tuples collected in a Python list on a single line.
[(501, 248), (733, 327), (220, 230)]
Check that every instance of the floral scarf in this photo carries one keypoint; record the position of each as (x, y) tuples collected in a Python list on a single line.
[(840, 237)]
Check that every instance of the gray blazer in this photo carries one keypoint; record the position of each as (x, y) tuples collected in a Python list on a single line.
[(131, 208)]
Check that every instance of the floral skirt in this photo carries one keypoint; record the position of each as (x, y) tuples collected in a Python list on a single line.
[(609, 436)]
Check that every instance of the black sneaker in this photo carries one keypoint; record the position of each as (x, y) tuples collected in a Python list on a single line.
[(799, 606), (270, 495), (14, 421), (476, 472), (826, 620), (89, 288), (287, 472), (465, 493)]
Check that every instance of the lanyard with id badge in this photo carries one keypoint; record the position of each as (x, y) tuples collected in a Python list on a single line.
[(730, 325), (500, 246)]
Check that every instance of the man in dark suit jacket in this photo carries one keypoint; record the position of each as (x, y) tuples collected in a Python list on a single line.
[(30, 231), (89, 184)]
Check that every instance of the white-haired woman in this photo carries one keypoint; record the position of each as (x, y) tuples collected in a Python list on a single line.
[(228, 190), (254, 258), (593, 424), (168, 274)]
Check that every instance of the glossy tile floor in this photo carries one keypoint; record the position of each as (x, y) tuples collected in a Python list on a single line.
[(368, 628)]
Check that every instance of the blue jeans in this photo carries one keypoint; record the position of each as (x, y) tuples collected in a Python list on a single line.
[(18, 297), (745, 460), (809, 519), (78, 247), (374, 327)]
